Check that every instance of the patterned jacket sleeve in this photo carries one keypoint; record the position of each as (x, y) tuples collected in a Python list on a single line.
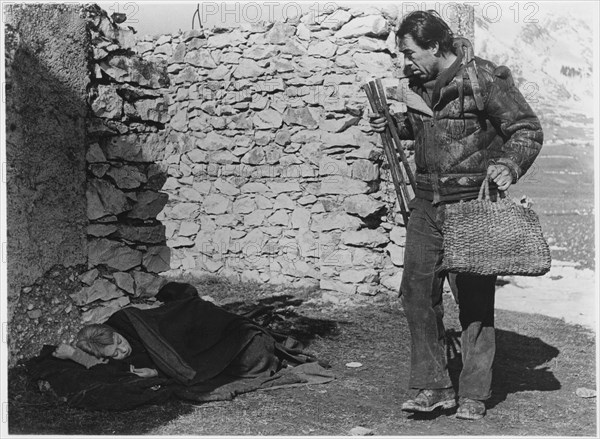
[(516, 122)]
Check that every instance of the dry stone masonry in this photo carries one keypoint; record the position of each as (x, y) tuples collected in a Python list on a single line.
[(274, 174), (126, 243)]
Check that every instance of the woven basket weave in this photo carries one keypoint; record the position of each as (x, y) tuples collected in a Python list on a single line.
[(493, 238)]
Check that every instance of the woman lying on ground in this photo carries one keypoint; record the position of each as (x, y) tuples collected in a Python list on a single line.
[(187, 338)]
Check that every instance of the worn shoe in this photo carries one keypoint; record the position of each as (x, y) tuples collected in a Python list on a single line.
[(470, 409), (429, 399)]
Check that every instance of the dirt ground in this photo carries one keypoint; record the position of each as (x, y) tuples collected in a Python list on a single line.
[(540, 362)]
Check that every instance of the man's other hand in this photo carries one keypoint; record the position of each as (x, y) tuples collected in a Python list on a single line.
[(501, 175), (378, 122)]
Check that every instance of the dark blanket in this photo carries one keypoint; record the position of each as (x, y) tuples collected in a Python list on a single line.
[(192, 343)]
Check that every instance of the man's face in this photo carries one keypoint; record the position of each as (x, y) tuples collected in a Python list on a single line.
[(418, 61)]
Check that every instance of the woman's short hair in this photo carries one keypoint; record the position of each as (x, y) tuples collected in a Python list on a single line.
[(94, 338), (426, 28)]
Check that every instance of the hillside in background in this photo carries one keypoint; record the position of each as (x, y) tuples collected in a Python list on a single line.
[(551, 60)]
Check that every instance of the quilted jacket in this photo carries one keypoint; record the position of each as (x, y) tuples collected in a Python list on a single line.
[(476, 117)]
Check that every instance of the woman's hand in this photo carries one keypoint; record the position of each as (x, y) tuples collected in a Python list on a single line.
[(64, 351), (143, 372)]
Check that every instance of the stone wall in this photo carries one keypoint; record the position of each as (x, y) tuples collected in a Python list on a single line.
[(273, 172), (46, 51), (126, 143)]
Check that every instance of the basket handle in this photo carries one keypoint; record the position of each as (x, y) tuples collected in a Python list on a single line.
[(484, 191)]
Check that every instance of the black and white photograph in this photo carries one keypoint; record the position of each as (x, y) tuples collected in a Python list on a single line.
[(299, 218)]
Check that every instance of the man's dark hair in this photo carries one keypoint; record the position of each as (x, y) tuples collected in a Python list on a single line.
[(426, 28)]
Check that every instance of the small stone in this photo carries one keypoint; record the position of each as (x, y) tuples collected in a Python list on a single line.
[(354, 364), (124, 281), (361, 431), (584, 392), (89, 276), (35, 314)]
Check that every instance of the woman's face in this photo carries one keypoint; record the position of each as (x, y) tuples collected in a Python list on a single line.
[(119, 350)]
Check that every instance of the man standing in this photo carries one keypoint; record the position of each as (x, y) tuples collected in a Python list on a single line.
[(479, 126)]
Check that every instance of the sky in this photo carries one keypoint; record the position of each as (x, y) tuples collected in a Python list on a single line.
[(161, 17)]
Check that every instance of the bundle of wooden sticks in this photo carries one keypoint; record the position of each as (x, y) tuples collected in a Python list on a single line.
[(392, 147)]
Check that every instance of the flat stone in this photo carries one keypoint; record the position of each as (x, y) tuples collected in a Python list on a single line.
[(280, 33), (371, 25), (101, 230), (398, 235), (355, 276), (104, 199), (365, 170), (134, 69), (190, 194), (281, 187), (364, 238), (216, 204), (95, 154), (101, 313), (376, 63), (101, 289), (334, 285), (147, 284), (179, 242), (324, 49), (178, 55), (124, 281), (215, 142), (280, 217), (284, 202), (225, 187), (301, 218), (336, 19), (334, 221), (127, 177), (300, 116), (234, 38), (136, 148), (183, 211), (254, 157), (112, 253), (371, 44), (89, 276), (339, 125), (244, 205), (341, 185), (179, 121), (200, 58), (363, 205), (148, 205), (267, 119), (157, 259), (256, 218), (392, 282), (331, 166), (154, 110), (254, 187), (107, 103), (396, 254), (144, 234), (248, 68)]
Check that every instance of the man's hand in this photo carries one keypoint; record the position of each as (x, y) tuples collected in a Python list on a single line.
[(501, 175), (378, 122), (64, 351), (143, 372)]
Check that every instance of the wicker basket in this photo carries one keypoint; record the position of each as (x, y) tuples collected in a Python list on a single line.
[(493, 238)]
